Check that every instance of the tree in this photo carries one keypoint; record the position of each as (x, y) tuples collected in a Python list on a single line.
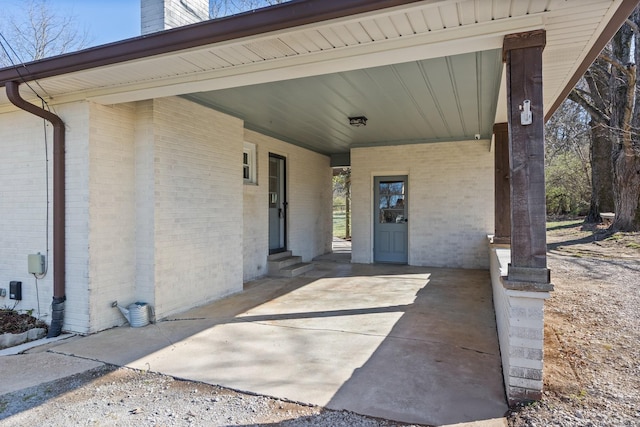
[(610, 95), (567, 161), (596, 84), (342, 194), (220, 8), (38, 33)]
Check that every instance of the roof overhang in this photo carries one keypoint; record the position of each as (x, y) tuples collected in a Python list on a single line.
[(321, 41)]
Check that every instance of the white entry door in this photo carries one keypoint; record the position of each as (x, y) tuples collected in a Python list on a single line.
[(390, 219)]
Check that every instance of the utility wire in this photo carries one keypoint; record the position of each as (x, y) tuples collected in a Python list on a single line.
[(38, 296), (45, 105), (23, 65), (46, 174)]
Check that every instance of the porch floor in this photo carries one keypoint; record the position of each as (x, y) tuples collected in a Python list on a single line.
[(410, 344)]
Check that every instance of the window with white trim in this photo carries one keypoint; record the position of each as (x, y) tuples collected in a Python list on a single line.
[(249, 163)]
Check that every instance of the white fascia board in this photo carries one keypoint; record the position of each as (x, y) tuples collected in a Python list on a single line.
[(615, 5), (448, 42)]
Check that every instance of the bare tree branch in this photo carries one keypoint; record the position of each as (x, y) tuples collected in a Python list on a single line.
[(615, 62), (220, 8), (596, 113), (634, 27), (41, 32)]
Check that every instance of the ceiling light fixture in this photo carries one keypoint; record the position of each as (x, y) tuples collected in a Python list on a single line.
[(358, 121)]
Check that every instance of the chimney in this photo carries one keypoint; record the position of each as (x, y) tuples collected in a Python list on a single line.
[(158, 15)]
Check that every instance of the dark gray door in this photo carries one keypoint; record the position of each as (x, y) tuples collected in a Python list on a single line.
[(390, 219), (277, 204)]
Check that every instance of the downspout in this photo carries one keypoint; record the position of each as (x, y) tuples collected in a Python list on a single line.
[(57, 315)]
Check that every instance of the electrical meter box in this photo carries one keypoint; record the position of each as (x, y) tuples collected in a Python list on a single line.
[(36, 263), (15, 290)]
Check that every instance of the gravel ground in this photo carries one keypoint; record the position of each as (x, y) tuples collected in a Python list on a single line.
[(111, 396), (592, 334)]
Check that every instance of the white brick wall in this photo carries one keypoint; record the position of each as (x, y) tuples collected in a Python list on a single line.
[(76, 117), (145, 199), (450, 200), (164, 207), (309, 210), (198, 205), (520, 323), (158, 15), (154, 211), (23, 207), (112, 212)]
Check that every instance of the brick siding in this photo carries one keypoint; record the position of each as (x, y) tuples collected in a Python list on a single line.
[(158, 15), (198, 207), (112, 212), (309, 192), (23, 207), (520, 323), (450, 200)]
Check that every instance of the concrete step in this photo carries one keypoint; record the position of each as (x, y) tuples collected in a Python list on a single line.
[(274, 257), (280, 263), (285, 262), (294, 270)]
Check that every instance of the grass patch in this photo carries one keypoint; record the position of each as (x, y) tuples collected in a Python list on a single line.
[(616, 237), (339, 224), (633, 245), (582, 394)]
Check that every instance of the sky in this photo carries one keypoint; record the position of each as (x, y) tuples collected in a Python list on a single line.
[(105, 21)]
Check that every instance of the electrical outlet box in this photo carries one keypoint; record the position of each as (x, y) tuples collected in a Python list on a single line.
[(36, 263), (15, 290), (3, 292)]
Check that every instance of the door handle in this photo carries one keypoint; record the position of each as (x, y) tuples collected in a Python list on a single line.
[(279, 212)]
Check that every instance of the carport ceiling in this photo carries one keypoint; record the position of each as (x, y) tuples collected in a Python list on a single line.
[(442, 99)]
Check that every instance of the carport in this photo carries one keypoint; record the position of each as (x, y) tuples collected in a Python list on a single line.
[(411, 344), (453, 95)]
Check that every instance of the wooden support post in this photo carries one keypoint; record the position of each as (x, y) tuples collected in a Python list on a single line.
[(502, 233), (523, 55)]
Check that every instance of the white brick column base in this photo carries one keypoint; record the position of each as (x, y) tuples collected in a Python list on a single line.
[(520, 322)]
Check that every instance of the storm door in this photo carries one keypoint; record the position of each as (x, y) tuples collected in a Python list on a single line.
[(277, 204), (390, 219)]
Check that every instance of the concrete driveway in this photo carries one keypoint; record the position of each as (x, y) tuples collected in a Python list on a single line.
[(410, 344)]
